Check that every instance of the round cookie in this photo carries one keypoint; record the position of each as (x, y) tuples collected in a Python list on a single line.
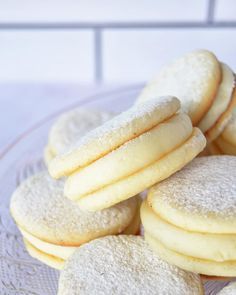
[(215, 247), (201, 197), (123, 265), (111, 135), (138, 182), (49, 260), (128, 154), (189, 219), (221, 101), (155, 141), (194, 79), (228, 290), (70, 127), (55, 226), (223, 120), (193, 264)]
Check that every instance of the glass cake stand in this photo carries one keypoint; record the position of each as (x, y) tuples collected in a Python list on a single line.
[(19, 273)]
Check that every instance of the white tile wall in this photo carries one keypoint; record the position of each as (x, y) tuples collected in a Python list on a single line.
[(137, 55), (102, 10), (46, 56), (112, 41), (225, 10)]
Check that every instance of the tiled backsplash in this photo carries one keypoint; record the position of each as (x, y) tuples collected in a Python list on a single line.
[(108, 41)]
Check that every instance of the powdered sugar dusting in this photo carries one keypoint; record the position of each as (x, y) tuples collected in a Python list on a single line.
[(39, 206), (71, 126), (205, 186), (118, 124), (188, 78), (123, 265)]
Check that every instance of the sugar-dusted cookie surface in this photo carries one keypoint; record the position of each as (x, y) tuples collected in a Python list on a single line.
[(193, 78), (70, 127), (123, 265), (200, 197), (128, 154), (53, 226)]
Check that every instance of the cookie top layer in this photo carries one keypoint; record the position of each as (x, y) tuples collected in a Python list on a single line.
[(40, 208), (123, 265), (221, 101), (203, 192), (72, 125), (114, 133), (193, 78)]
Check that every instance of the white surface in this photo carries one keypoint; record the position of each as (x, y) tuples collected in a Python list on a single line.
[(46, 56), (102, 11), (225, 10), (24, 105), (137, 55)]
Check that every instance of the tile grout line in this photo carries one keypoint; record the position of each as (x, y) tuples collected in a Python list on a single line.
[(125, 25), (98, 68), (211, 11)]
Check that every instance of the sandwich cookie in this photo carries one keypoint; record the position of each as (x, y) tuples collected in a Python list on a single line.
[(70, 127), (123, 265), (189, 219), (128, 154), (53, 226), (205, 87)]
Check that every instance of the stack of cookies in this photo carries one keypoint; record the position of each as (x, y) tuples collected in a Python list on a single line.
[(225, 144), (205, 87), (189, 218), (128, 154), (83, 215)]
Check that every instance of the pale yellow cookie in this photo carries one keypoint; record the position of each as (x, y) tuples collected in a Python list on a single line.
[(221, 101), (123, 265), (215, 247), (114, 133), (194, 79), (196, 265), (49, 260), (54, 225), (201, 197), (139, 181), (125, 155), (130, 157), (223, 120), (70, 127)]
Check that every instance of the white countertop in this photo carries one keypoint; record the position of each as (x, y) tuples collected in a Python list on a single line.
[(24, 105)]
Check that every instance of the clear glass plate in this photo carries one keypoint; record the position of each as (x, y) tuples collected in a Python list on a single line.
[(19, 273)]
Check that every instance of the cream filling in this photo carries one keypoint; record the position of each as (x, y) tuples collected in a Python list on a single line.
[(215, 247), (154, 173), (196, 265), (64, 252), (131, 157)]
